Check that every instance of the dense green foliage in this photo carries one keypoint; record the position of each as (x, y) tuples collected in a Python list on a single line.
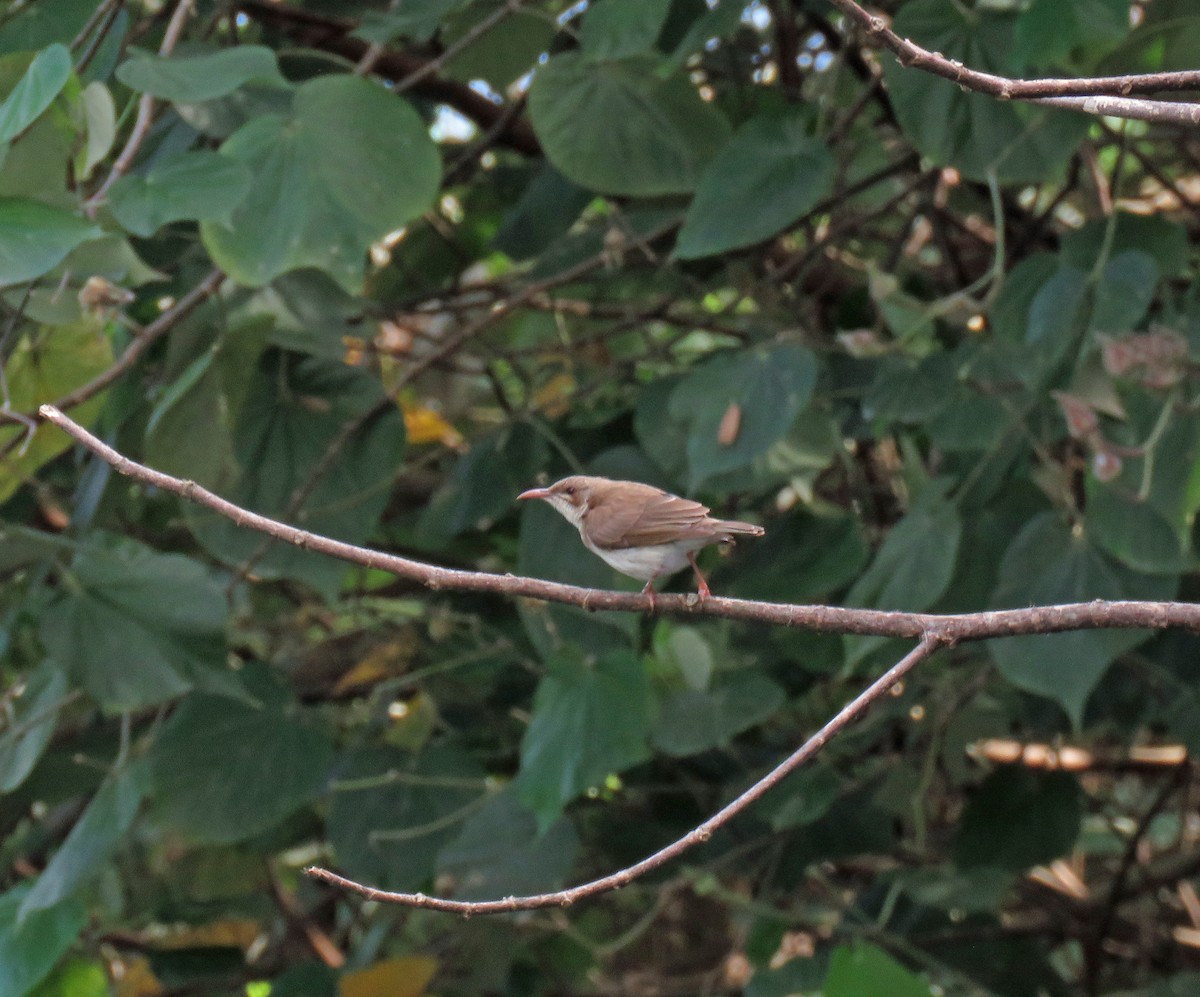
[(943, 347)]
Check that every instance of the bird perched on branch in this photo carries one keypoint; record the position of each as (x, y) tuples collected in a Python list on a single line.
[(640, 530)]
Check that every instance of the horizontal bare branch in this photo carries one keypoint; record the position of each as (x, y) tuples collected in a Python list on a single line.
[(950, 629)]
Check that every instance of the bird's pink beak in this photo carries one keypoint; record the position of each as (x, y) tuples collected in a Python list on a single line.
[(534, 493)]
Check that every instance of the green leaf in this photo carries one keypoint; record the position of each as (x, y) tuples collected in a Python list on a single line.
[(205, 76), (769, 174), (293, 410), (92, 841), (646, 135), (1053, 316), (35, 238), (590, 720), (973, 132), (393, 812), (271, 764), (29, 949), (768, 386), (42, 368), (1019, 818), (546, 210), (807, 557), (682, 652), (863, 970), (136, 628), (351, 163), (1124, 291), (42, 82), (1164, 240), (690, 721), (614, 29), (100, 129), (914, 565), (499, 852), (30, 724), (487, 479), (1047, 564), (201, 185), (1050, 30), (415, 19), (1135, 533), (504, 52)]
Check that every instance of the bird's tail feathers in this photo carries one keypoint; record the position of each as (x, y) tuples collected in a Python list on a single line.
[(743, 529)]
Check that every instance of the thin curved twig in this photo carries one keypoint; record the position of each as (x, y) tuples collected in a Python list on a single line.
[(145, 115), (697, 836)]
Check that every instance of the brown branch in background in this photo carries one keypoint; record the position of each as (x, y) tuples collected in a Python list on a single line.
[(145, 115), (331, 35), (1101, 95), (697, 836)]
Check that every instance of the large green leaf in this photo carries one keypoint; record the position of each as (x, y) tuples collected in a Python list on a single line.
[(499, 852), (863, 970), (93, 839), (1049, 30), (806, 557), (392, 812), (348, 165), (973, 132), (767, 386), (35, 238), (646, 135), (769, 173), (42, 82), (590, 720), (199, 185), (487, 479), (42, 368), (690, 720), (201, 76), (294, 409), (1019, 818), (30, 724), (30, 948), (916, 561), (1048, 563), (271, 764), (614, 29), (135, 628)]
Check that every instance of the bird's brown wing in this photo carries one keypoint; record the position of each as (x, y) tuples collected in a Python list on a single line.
[(644, 517)]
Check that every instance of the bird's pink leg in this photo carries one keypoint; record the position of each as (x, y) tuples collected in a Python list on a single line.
[(649, 590), (704, 591)]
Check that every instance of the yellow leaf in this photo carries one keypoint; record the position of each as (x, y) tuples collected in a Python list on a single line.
[(134, 978), (231, 932), (406, 976), (424, 425), (383, 661), (554, 397)]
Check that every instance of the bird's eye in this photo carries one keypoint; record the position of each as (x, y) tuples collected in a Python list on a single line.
[(569, 490)]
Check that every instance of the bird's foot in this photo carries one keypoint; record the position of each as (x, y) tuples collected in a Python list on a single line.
[(649, 590), (702, 589)]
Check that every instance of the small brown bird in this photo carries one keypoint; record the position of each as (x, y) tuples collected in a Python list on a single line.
[(638, 529)]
